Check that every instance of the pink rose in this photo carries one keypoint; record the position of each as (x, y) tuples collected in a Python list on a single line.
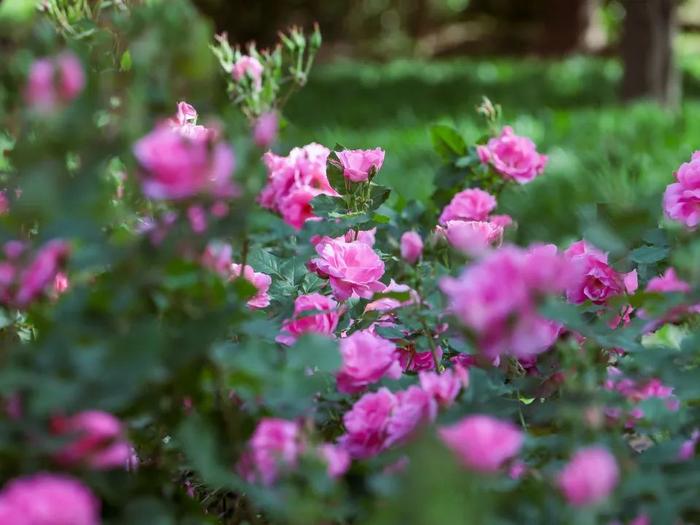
[(472, 237), (411, 247), (471, 204), (324, 322), (48, 499), (275, 443), (483, 443), (687, 449), (413, 408), (261, 281), (445, 387), (337, 458), (98, 441), (387, 304), (54, 81), (217, 257), (352, 268), (185, 123), (34, 280), (265, 130), (358, 164), (366, 424), (513, 157), (589, 477), (366, 359), (413, 361), (682, 198), (250, 67)]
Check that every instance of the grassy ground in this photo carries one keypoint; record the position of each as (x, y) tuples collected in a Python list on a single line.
[(599, 151)]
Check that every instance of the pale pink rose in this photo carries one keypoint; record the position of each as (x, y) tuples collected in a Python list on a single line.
[(445, 387), (185, 123), (366, 424), (365, 236), (414, 407), (667, 283), (97, 440), (501, 220), (682, 198), (265, 129), (358, 164), (48, 499), (217, 257), (471, 204), (179, 166), (275, 445), (366, 359), (34, 280), (54, 81), (514, 157), (248, 66), (411, 247), (589, 477), (598, 281), (60, 285), (337, 458), (197, 217), (261, 281), (472, 237), (324, 321), (387, 304), (482, 443), (352, 268)]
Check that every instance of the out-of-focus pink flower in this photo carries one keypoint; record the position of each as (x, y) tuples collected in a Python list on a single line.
[(589, 477), (60, 284), (198, 219), (445, 387), (471, 204), (185, 123), (482, 442), (248, 66), (513, 157), (275, 443), (472, 237), (358, 164), (598, 281), (35, 279), (98, 441), (411, 247), (414, 407), (336, 457), (496, 298), (261, 281), (387, 304), (687, 449), (366, 359), (352, 268), (366, 424), (293, 181), (413, 361), (54, 81), (217, 257), (324, 322), (667, 283), (265, 129), (682, 198), (4, 203), (48, 499)]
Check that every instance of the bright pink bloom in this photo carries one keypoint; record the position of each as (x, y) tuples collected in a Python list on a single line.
[(60, 284), (687, 449), (275, 443), (48, 499), (514, 157), (472, 237), (414, 407), (413, 361), (352, 268), (54, 81), (366, 359), (358, 164), (682, 198), (247, 66), (366, 424), (599, 281), (185, 123), (98, 441), (667, 283), (471, 204), (265, 130), (589, 477), (261, 281), (411, 247), (483, 443), (42, 271), (324, 322), (445, 387), (337, 458)]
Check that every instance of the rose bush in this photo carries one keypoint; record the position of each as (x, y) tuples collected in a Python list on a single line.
[(202, 323)]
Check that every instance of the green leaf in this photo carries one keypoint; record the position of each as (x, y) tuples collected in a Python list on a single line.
[(649, 254), (379, 195), (315, 351), (125, 61), (447, 142), (334, 172), (325, 205)]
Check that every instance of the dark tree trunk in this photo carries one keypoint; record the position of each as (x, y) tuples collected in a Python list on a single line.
[(647, 51)]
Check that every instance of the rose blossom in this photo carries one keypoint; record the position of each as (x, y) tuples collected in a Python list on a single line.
[(336, 457), (514, 157), (261, 281), (54, 81), (275, 443), (324, 322), (472, 237), (411, 247), (185, 123), (482, 442), (358, 163), (687, 449), (366, 424), (366, 359), (250, 67), (98, 440), (589, 477), (682, 198), (414, 361), (414, 407), (217, 257), (265, 130), (387, 304), (445, 387), (352, 268), (42, 271), (48, 499), (471, 204)]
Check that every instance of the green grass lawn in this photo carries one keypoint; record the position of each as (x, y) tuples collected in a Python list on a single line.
[(600, 151)]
